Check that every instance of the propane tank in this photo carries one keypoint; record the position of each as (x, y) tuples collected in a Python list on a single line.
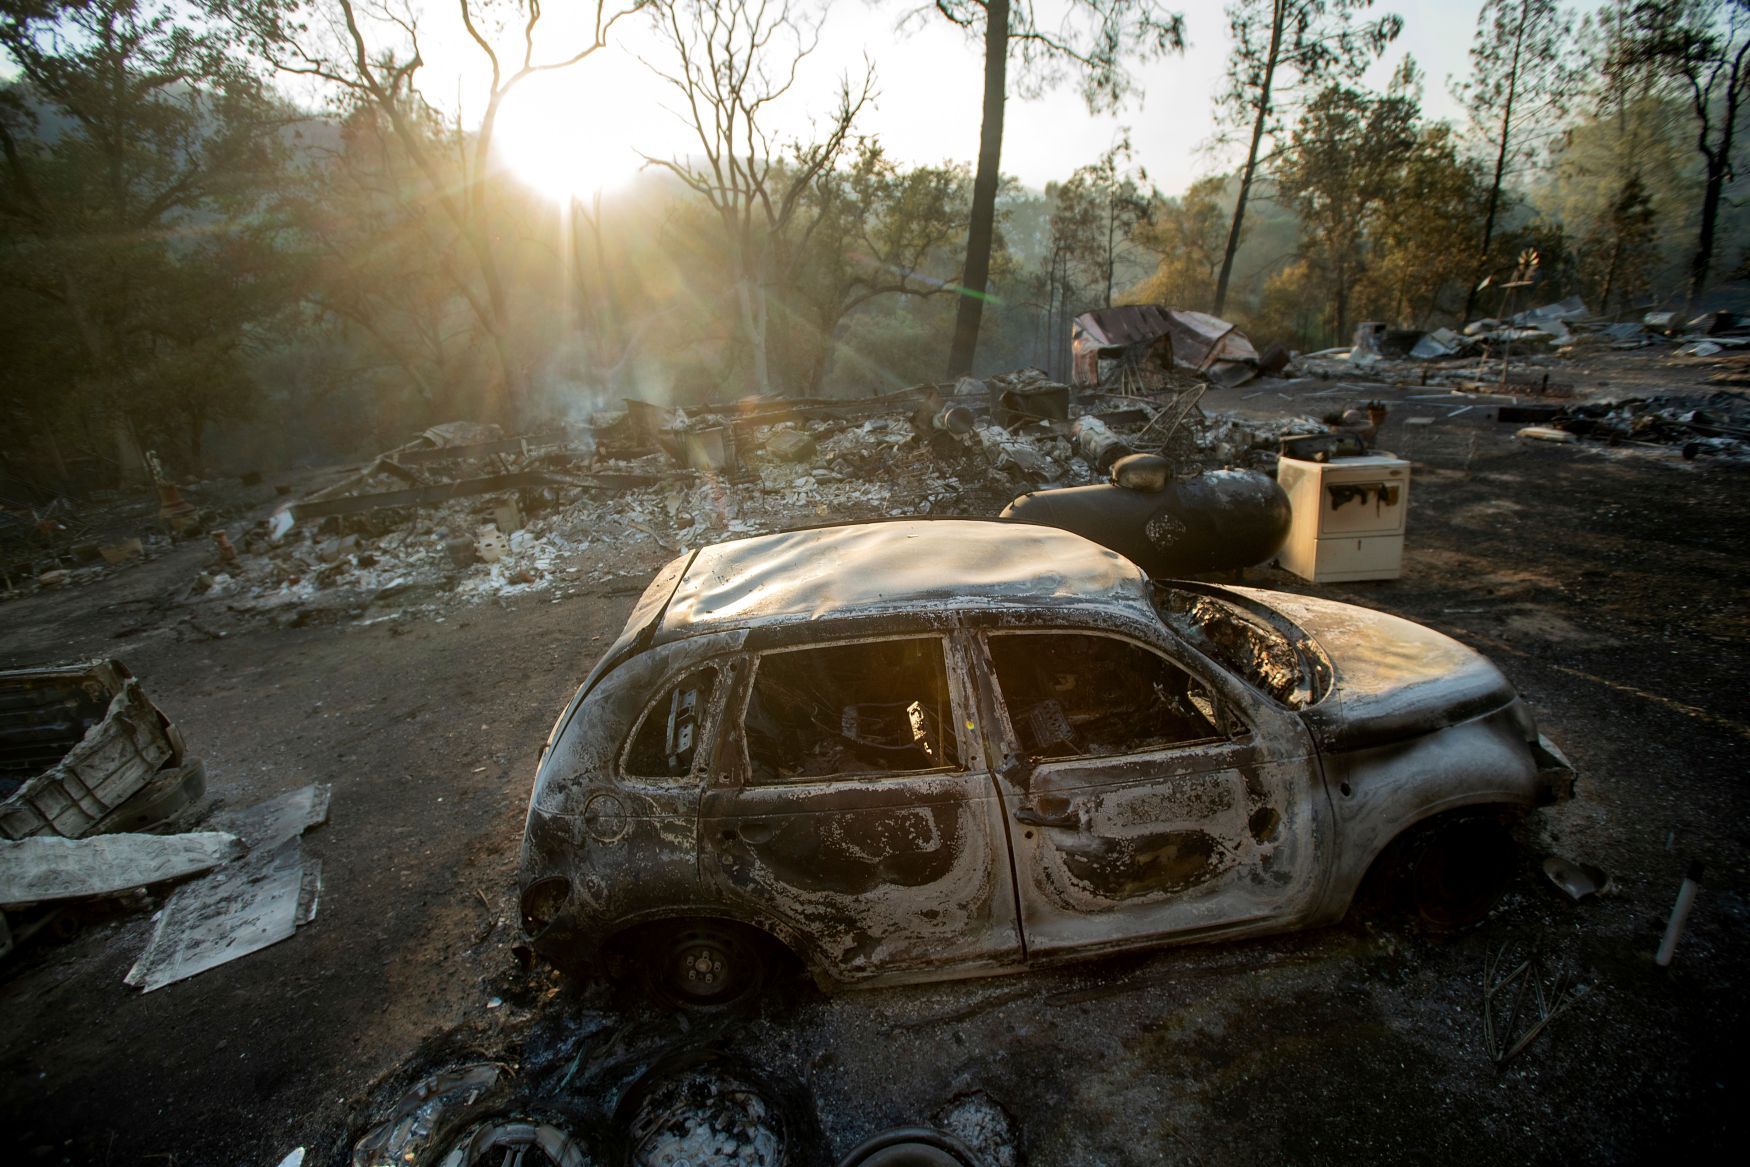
[(1220, 520)]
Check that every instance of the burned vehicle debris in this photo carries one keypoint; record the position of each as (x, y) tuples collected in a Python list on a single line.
[(919, 749)]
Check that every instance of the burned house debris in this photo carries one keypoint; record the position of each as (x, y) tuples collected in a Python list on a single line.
[(1712, 426), (1146, 342)]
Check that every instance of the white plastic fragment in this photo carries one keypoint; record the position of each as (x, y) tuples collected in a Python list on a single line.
[(1544, 433)]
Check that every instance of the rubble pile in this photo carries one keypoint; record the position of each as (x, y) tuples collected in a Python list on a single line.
[(1712, 426), (583, 508), (1530, 341)]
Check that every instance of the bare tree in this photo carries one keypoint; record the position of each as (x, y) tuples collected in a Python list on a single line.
[(733, 61), (372, 56), (1703, 48)]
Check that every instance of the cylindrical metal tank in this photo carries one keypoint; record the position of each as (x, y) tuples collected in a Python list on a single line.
[(1221, 520)]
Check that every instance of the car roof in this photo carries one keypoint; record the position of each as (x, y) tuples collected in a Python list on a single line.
[(908, 565)]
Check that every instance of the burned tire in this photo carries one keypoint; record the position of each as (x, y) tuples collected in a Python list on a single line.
[(1457, 871), (1444, 875), (705, 964)]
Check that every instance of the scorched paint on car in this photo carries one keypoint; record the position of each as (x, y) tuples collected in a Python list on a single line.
[(933, 748)]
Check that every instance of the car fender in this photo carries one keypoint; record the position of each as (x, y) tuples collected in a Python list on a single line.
[(1378, 793), (624, 847)]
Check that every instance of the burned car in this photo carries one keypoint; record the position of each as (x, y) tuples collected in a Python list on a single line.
[(931, 748)]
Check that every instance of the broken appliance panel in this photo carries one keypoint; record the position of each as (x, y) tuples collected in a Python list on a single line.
[(1348, 517)]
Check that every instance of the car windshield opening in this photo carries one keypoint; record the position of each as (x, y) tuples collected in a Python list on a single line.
[(876, 707), (1276, 659)]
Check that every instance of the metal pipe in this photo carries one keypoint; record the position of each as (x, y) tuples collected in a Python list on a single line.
[(1679, 915)]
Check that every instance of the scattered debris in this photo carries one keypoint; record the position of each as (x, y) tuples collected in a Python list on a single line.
[(1142, 344), (1027, 395), (1442, 342), (1679, 915), (1717, 425), (242, 907), (1576, 880), (1552, 992), (267, 824), (45, 869), (122, 552), (435, 1109), (1544, 433), (247, 904), (175, 513), (791, 446)]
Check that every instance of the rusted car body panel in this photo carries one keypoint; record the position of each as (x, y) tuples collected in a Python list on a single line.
[(1218, 781)]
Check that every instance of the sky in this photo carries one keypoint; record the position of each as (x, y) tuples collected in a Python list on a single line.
[(585, 128), (929, 80)]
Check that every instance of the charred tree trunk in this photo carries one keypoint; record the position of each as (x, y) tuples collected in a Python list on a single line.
[(1251, 168), (981, 232), (1470, 296), (1719, 168)]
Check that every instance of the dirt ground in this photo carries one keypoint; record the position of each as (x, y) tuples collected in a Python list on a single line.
[(1609, 584)]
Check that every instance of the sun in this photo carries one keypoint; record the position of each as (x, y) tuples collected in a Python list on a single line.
[(558, 137)]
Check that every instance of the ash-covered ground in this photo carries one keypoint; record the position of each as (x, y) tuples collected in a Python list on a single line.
[(1606, 580)]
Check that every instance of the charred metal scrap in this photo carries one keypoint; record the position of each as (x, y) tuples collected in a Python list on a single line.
[(82, 751)]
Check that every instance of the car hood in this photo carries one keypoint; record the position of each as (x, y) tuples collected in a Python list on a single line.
[(1391, 678)]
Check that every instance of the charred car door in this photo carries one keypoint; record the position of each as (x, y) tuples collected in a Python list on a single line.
[(851, 802), (1147, 801)]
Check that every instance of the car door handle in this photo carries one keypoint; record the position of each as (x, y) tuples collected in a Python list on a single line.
[(1037, 818), (754, 831)]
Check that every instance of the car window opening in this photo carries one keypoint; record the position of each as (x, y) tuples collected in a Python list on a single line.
[(668, 738), (876, 707), (1073, 695)]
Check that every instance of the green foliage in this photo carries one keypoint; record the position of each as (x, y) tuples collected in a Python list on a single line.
[(1697, 53), (872, 229), (1346, 161), (139, 148), (1187, 234)]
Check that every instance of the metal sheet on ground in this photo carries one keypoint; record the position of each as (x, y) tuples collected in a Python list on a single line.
[(267, 824), (46, 868), (239, 909)]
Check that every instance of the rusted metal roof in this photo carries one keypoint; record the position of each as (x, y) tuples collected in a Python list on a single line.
[(1124, 326), (866, 568), (1199, 339)]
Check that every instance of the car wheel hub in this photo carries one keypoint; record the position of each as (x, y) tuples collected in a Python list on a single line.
[(703, 967)]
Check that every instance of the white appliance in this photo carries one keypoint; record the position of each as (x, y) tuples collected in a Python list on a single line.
[(1348, 517)]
